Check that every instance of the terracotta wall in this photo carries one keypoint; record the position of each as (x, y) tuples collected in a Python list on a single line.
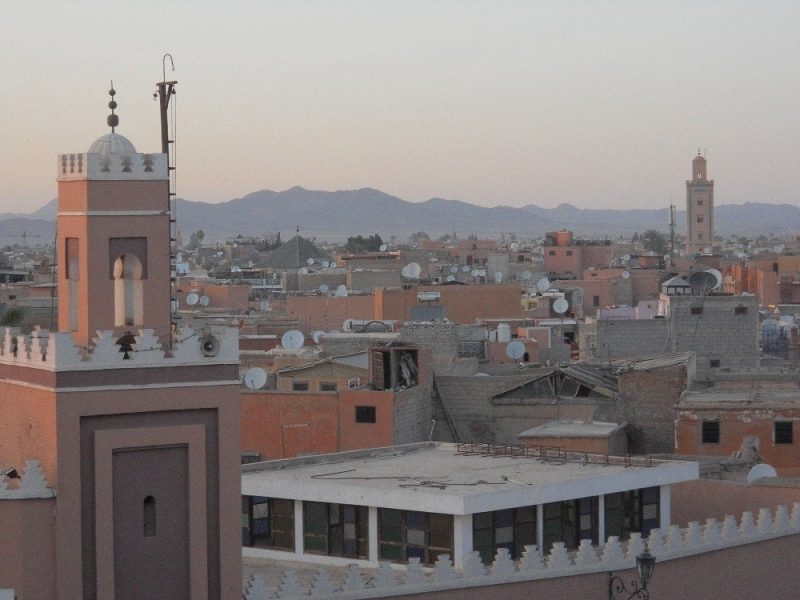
[(27, 548), (463, 304), (327, 312), (763, 570), (616, 445), (734, 425), (284, 425)]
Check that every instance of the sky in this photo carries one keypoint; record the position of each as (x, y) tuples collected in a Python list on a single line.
[(600, 104)]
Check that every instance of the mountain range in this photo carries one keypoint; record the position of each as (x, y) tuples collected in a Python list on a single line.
[(336, 215)]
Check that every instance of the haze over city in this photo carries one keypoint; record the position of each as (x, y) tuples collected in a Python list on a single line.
[(487, 102)]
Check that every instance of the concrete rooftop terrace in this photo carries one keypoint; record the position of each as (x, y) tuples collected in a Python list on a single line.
[(437, 477)]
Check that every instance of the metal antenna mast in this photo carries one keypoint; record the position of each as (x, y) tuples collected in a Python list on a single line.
[(671, 234), (164, 93)]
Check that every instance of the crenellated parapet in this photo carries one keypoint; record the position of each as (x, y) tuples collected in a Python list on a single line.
[(388, 580), (32, 484), (111, 166), (46, 350)]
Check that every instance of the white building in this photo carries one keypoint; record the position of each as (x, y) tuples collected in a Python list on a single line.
[(426, 499)]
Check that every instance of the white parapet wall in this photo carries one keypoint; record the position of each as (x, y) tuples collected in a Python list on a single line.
[(42, 349), (674, 543)]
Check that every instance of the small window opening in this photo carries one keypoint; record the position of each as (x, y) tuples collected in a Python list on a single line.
[(365, 414), (740, 310), (714, 363), (711, 432), (697, 310), (783, 432), (149, 513)]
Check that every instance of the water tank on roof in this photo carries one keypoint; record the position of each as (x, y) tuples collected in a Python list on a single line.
[(503, 332)]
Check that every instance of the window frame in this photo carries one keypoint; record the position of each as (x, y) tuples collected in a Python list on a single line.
[(710, 432), (786, 437), (366, 413), (427, 551), (278, 518)]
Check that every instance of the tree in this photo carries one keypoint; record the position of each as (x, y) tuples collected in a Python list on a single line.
[(654, 241), (361, 244), (196, 239), (12, 317), (415, 238)]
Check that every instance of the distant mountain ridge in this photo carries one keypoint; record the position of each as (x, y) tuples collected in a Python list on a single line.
[(339, 214)]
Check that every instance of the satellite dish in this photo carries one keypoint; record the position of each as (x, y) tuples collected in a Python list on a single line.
[(626, 257), (718, 277), (293, 339), (481, 375), (255, 378), (325, 264), (265, 305), (209, 345), (303, 270), (454, 269), (760, 471), (515, 350), (475, 273), (383, 247), (526, 275), (192, 298), (625, 274), (543, 284), (205, 300), (498, 277), (560, 306), (323, 289), (702, 280), (465, 268), (333, 264), (310, 261), (411, 270), (317, 336), (451, 278), (514, 245), (341, 291)]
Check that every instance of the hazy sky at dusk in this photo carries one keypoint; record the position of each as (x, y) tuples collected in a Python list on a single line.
[(595, 103)]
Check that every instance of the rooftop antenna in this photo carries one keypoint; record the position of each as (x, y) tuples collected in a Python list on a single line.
[(671, 234), (165, 90)]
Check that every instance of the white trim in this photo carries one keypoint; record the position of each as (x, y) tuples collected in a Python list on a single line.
[(299, 546), (540, 527), (462, 539), (601, 519), (112, 213), (665, 506), (372, 533), (121, 364)]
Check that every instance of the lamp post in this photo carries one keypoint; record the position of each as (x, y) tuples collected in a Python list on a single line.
[(617, 590)]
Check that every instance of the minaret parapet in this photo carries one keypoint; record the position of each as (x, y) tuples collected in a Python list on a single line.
[(52, 351), (112, 167)]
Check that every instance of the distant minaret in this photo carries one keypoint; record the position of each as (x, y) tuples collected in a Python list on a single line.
[(699, 208)]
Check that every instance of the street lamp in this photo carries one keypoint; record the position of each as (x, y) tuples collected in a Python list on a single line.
[(617, 590)]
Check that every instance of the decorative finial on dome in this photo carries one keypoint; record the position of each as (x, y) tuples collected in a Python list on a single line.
[(112, 120)]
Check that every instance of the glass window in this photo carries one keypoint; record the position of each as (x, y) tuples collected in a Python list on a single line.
[(710, 432), (268, 522), (511, 529), (409, 534), (327, 386), (570, 522), (783, 432), (299, 386), (335, 529), (365, 414), (634, 510)]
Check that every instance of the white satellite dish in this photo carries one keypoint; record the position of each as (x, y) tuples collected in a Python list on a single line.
[(515, 350), (718, 277), (498, 277), (205, 300), (323, 289), (625, 274), (465, 268), (317, 336), (303, 270), (333, 264), (760, 471), (341, 291), (255, 378), (526, 275), (310, 261), (475, 273), (514, 245), (265, 305), (293, 339), (454, 269), (192, 298), (560, 306), (383, 247), (411, 270), (325, 264), (451, 278), (626, 257), (543, 284)]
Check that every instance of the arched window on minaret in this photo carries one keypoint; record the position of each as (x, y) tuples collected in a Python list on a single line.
[(128, 291)]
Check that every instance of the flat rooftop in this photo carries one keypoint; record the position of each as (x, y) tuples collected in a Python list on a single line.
[(576, 429), (456, 478)]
